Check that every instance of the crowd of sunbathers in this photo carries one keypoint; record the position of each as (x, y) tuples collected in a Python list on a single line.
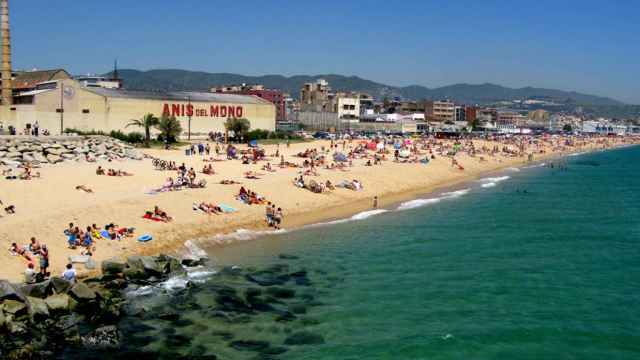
[(112, 172), (77, 237), (313, 186), (26, 174), (249, 197)]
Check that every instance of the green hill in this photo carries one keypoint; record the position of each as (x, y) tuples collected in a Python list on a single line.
[(171, 79)]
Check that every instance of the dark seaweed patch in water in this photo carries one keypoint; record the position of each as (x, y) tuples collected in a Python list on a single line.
[(235, 313), (587, 163)]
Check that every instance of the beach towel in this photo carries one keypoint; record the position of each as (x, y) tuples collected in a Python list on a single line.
[(227, 209), (79, 259), (150, 217), (105, 234)]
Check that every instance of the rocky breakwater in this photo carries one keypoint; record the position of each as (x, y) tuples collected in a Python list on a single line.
[(39, 321), (44, 150)]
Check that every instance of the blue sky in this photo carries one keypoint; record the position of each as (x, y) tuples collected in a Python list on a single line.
[(588, 46)]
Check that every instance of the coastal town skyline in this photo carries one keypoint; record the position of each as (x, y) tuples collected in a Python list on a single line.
[(456, 43)]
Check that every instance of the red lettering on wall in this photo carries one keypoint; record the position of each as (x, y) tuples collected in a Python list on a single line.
[(175, 110), (214, 110), (166, 111), (223, 111), (189, 110), (239, 111), (232, 111)]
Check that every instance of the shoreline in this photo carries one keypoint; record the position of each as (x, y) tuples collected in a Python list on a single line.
[(122, 200), (388, 202)]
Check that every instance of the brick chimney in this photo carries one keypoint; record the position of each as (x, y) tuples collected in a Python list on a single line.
[(7, 88)]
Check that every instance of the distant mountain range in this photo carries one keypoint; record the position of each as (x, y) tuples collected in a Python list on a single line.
[(463, 93)]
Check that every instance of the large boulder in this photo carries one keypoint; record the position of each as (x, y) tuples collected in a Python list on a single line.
[(53, 159), (113, 266), (58, 303), (60, 285), (38, 290), (38, 156), (14, 307), (153, 265), (37, 308), (9, 291), (82, 292)]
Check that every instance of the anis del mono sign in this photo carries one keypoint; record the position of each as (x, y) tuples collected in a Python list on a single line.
[(214, 111)]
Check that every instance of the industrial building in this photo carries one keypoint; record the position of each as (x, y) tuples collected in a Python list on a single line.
[(67, 104)]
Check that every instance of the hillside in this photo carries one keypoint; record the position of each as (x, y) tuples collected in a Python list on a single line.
[(464, 93)]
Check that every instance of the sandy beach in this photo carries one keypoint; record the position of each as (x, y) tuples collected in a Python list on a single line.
[(45, 206)]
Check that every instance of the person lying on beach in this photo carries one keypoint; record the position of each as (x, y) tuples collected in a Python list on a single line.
[(329, 185), (252, 175), (11, 209), (208, 208), (354, 185), (161, 214), (229, 182), (208, 170), (84, 188), (17, 250), (113, 172)]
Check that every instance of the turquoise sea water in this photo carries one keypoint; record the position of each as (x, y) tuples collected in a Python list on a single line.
[(544, 264)]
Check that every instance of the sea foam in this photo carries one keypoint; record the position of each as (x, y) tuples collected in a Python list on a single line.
[(412, 204)]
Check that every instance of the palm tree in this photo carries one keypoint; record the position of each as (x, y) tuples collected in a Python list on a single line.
[(169, 128), (147, 122)]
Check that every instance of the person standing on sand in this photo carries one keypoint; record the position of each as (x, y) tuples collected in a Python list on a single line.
[(277, 218), (44, 260), (375, 202), (269, 214)]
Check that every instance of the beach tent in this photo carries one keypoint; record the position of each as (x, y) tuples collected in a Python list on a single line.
[(380, 146), (371, 146), (253, 143), (404, 153), (397, 146)]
